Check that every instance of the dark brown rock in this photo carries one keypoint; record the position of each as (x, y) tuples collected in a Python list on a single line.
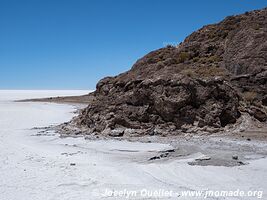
[(200, 83)]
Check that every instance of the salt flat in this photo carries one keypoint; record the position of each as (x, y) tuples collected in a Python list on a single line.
[(40, 165)]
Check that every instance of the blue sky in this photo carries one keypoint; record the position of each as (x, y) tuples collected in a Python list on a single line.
[(71, 44)]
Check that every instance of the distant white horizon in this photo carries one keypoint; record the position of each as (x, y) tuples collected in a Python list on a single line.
[(13, 95)]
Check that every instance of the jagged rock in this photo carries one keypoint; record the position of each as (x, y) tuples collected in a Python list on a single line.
[(116, 133), (235, 157), (198, 85), (259, 114), (264, 101)]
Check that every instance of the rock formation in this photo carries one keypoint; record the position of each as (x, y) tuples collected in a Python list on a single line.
[(205, 83)]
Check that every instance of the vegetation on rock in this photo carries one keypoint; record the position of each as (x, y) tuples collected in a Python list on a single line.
[(199, 85)]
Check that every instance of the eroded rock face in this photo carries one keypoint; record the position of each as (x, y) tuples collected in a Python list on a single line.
[(163, 104), (198, 84)]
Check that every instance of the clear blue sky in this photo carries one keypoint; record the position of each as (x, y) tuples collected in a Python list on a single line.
[(71, 44)]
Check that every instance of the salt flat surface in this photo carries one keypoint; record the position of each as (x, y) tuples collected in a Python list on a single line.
[(7, 95), (46, 167)]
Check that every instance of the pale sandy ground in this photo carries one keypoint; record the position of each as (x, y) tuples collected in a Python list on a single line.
[(40, 165)]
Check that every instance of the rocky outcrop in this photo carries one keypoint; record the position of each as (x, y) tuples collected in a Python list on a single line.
[(205, 83)]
